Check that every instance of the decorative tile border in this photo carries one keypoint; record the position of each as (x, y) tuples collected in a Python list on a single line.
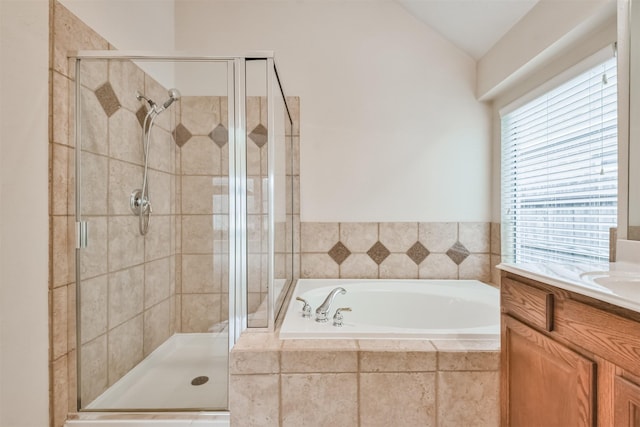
[(404, 250)]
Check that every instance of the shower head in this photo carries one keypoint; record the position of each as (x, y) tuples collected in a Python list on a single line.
[(174, 95)]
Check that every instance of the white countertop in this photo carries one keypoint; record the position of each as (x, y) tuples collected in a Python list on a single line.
[(623, 290)]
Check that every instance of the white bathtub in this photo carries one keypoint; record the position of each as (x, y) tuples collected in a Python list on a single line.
[(397, 309)]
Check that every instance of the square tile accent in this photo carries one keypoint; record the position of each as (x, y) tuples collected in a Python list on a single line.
[(181, 135), (458, 253), (220, 135), (259, 135), (108, 99), (378, 252), (417, 253), (141, 113), (339, 253)]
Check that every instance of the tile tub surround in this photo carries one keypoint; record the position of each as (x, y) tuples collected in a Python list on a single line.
[(363, 382), (399, 250)]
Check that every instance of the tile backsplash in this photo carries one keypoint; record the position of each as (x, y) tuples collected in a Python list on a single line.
[(399, 250)]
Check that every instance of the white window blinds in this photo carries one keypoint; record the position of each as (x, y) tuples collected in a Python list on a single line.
[(560, 172)]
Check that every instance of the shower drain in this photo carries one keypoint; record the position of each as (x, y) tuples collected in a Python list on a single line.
[(199, 380)]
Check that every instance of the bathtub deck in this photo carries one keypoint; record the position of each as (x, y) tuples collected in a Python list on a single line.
[(163, 379)]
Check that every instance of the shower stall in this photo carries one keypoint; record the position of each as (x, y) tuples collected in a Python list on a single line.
[(185, 221)]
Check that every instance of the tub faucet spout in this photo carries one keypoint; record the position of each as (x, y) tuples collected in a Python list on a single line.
[(321, 312)]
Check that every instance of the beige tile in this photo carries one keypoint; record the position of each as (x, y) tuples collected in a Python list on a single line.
[(123, 179), (157, 281), (496, 242), (72, 362), (438, 237), (256, 234), (157, 325), (200, 114), (200, 312), (467, 360), (162, 151), (157, 245), (71, 317), (60, 390), (59, 321), (255, 353), (126, 295), (197, 234), (398, 236), (319, 356), (468, 398), (93, 369), (93, 258), (95, 178), (126, 78), (197, 195), (318, 266), (160, 192), (293, 102), (475, 236), (125, 348), (93, 73), (60, 122), (254, 158), (197, 274), (60, 253), (359, 236), (359, 266), (495, 273), (402, 399), (476, 266), (200, 156), (125, 138), (397, 356), (70, 34), (255, 203), (93, 305), (94, 124), (253, 112), (319, 399), (126, 245), (398, 266), (319, 236), (254, 400), (438, 266)]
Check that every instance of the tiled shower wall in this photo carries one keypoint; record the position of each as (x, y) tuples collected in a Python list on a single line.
[(128, 280), (400, 250)]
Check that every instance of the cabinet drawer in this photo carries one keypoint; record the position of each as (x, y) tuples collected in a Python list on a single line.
[(532, 305)]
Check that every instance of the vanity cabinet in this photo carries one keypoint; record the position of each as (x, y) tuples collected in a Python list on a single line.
[(567, 359)]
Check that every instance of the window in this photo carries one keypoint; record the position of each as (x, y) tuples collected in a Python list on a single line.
[(560, 172)]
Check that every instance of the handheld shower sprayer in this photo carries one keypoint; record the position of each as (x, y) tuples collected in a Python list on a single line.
[(139, 200)]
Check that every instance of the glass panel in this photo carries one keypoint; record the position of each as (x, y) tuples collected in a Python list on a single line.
[(283, 196), (153, 280), (257, 194)]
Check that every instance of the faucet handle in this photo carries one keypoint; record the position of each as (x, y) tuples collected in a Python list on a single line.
[(306, 308), (337, 318)]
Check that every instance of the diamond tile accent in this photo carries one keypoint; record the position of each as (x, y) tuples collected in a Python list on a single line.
[(108, 99), (181, 135), (458, 253), (417, 253), (141, 114), (339, 253), (259, 135), (220, 135), (378, 252)]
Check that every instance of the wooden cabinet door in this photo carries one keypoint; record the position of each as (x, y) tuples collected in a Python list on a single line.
[(626, 403), (543, 382)]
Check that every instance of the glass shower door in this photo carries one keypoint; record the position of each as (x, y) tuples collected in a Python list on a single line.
[(152, 209)]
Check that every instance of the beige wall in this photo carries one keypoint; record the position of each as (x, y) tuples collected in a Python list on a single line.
[(391, 125), (24, 52)]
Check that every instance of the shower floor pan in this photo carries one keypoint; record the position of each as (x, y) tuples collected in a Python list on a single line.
[(186, 372)]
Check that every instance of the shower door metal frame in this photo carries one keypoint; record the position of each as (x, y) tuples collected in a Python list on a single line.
[(236, 96)]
